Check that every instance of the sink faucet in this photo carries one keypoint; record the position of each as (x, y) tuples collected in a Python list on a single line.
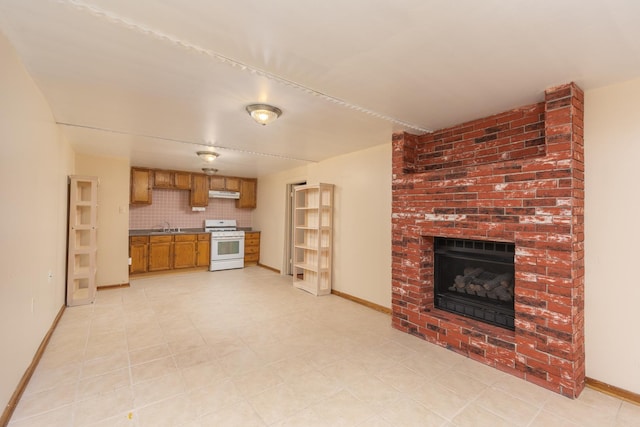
[(167, 228)]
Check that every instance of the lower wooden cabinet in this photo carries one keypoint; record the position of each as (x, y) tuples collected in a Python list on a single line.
[(184, 251), (160, 253), (139, 254), (251, 247), (203, 250), (168, 252)]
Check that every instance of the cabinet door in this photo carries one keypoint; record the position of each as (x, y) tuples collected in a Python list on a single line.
[(203, 252), (199, 190), (184, 254), (160, 256), (217, 183), (162, 179), (182, 180), (248, 194), (232, 184), (160, 252), (139, 258), (140, 186)]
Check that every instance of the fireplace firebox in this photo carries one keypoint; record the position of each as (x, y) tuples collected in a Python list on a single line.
[(475, 279)]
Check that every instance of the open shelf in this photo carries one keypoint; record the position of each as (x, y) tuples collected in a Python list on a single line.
[(312, 238), (82, 241)]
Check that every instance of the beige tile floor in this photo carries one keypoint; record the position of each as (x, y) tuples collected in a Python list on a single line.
[(245, 348)]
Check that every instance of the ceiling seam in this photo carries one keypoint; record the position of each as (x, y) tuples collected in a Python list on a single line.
[(181, 141), (123, 22)]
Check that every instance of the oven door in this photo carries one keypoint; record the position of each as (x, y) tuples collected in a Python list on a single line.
[(226, 252), (226, 248)]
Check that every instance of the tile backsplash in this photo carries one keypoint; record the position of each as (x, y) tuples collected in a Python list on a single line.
[(173, 206)]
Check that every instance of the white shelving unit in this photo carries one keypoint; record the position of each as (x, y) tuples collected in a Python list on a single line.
[(82, 244), (313, 229)]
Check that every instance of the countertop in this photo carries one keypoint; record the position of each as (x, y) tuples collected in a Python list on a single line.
[(148, 232)]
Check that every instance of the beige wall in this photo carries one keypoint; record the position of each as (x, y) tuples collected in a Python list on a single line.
[(113, 215), (34, 166), (362, 219), (612, 289)]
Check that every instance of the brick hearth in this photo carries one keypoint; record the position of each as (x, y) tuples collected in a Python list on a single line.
[(514, 177)]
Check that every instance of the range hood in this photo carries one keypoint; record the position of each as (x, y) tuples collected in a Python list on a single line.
[(220, 194)]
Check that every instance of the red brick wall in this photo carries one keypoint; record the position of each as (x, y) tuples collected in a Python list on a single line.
[(515, 177)]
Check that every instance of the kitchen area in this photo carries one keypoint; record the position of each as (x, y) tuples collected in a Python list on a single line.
[(181, 221)]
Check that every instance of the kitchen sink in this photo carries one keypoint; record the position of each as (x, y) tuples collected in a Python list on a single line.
[(167, 232)]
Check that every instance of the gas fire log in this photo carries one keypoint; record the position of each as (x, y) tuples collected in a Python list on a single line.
[(461, 283), (476, 281), (495, 282), (502, 293)]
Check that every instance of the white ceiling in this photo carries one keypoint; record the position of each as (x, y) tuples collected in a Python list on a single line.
[(156, 81)]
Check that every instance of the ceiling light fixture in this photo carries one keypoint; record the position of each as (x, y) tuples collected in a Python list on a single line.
[(207, 156), (209, 171), (263, 113)]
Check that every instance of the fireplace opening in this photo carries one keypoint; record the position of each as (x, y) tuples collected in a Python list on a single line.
[(475, 279)]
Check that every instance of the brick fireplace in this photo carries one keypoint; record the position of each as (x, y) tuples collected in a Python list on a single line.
[(515, 177)]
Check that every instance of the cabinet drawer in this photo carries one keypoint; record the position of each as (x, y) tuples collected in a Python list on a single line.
[(205, 236), (251, 250), (184, 238), (251, 235), (252, 257), (252, 242), (139, 240), (160, 239)]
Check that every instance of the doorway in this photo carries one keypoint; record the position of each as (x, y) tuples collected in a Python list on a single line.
[(289, 240)]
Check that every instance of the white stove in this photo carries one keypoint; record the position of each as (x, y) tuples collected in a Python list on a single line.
[(227, 244)]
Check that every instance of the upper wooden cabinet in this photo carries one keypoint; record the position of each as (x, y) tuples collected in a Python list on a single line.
[(143, 180), (182, 180), (162, 179), (248, 193), (224, 183), (199, 190), (171, 179), (140, 186)]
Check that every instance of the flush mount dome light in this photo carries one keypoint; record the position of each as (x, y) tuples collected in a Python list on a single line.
[(207, 156), (209, 171), (263, 113)]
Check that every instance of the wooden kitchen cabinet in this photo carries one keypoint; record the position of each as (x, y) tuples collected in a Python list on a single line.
[(166, 252), (182, 180), (139, 254), (141, 183), (203, 250), (248, 193), (143, 180), (160, 253), (224, 183), (162, 179), (184, 250), (171, 179), (199, 190), (251, 247)]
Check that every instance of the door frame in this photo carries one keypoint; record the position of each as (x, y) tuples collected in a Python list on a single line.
[(287, 260)]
